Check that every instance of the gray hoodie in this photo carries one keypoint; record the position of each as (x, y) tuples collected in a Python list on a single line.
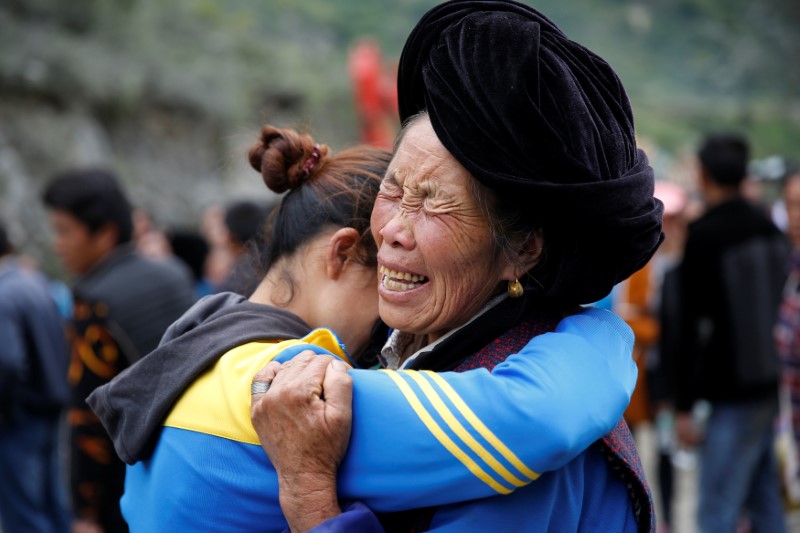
[(134, 404)]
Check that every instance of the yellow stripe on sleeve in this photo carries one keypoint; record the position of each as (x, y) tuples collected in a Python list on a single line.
[(442, 437), (479, 426), (462, 433)]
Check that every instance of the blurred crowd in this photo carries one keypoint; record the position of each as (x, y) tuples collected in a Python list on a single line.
[(130, 280), (716, 315)]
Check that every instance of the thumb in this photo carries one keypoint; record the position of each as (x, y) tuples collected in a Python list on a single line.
[(338, 386)]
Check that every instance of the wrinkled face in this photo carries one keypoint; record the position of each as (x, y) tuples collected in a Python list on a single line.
[(74, 244), (438, 264), (792, 200)]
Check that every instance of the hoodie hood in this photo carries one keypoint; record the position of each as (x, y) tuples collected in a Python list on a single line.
[(134, 404)]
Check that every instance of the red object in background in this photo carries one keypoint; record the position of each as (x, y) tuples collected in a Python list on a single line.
[(375, 94)]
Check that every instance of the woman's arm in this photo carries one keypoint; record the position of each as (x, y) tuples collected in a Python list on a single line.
[(306, 450), (308, 417), (420, 439)]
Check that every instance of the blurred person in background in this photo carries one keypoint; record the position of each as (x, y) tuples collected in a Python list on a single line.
[(732, 275), (375, 92), (123, 303), (219, 260), (787, 332), (184, 250), (33, 394), (658, 372), (192, 248), (638, 301), (150, 241), (243, 220), (228, 230)]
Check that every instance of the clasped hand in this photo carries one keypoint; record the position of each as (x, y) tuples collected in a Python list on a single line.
[(303, 422)]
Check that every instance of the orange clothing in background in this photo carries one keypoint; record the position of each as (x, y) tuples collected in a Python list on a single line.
[(635, 307)]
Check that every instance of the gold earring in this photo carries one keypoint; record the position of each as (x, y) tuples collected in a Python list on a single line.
[(515, 289)]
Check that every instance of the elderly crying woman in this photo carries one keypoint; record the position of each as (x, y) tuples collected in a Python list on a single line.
[(516, 192)]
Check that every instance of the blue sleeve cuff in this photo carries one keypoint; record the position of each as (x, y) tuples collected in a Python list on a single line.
[(355, 517)]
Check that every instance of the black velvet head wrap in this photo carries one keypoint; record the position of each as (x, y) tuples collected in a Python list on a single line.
[(541, 120)]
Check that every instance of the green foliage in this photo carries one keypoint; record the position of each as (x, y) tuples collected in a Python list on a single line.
[(170, 94), (695, 65), (686, 63)]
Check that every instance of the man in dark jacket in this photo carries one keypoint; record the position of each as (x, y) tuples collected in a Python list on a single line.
[(33, 394), (123, 303), (732, 276)]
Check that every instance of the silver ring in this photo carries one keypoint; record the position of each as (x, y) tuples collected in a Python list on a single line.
[(259, 387)]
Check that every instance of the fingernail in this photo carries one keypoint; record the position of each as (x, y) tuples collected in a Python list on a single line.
[(338, 365)]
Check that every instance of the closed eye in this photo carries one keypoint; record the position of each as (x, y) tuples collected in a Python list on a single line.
[(390, 186)]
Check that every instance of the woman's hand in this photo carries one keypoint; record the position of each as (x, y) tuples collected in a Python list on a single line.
[(303, 422)]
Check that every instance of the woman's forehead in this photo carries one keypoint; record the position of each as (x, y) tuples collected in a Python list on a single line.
[(420, 139), (421, 156)]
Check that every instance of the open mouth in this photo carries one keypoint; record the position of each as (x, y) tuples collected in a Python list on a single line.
[(400, 281)]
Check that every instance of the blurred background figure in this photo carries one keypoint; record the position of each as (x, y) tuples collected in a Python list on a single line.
[(638, 300), (787, 331), (661, 361), (192, 248), (149, 239), (123, 303), (232, 262), (33, 394), (219, 261), (732, 275), (375, 91)]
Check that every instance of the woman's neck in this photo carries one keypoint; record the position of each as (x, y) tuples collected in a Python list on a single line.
[(408, 345), (279, 293)]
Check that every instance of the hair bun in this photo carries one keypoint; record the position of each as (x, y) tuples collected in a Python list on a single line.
[(285, 158)]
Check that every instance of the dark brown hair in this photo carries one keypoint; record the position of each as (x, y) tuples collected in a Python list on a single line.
[(724, 156), (95, 197), (324, 191)]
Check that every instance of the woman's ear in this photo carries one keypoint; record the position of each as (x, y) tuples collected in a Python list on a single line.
[(527, 256), (342, 246)]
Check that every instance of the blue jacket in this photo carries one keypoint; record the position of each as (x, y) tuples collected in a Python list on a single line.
[(418, 439), (33, 350)]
